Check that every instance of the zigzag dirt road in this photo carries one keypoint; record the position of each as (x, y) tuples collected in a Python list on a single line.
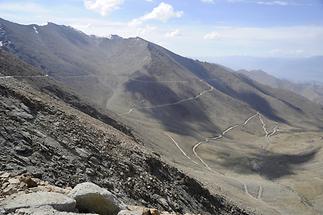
[(267, 136), (168, 104), (177, 145), (205, 140)]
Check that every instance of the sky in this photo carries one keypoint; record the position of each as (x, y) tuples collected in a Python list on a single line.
[(193, 28)]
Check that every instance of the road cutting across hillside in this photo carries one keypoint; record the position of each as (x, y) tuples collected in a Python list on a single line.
[(177, 145), (267, 136), (157, 81), (168, 104), (27, 76), (215, 138), (195, 147), (195, 153)]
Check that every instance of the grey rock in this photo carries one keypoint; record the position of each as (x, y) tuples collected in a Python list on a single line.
[(23, 149), (25, 108), (94, 160), (163, 202), (19, 115), (44, 210), (82, 152), (90, 171), (56, 200), (127, 212), (94, 199)]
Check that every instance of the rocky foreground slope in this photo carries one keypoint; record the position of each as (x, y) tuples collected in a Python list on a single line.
[(49, 139), (31, 196)]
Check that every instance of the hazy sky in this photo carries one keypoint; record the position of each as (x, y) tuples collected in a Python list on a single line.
[(196, 28)]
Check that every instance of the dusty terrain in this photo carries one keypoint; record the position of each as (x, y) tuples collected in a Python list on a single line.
[(50, 139), (257, 145), (278, 174)]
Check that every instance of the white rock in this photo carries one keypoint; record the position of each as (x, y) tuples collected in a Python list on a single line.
[(14, 181), (5, 175), (127, 212), (56, 200), (94, 199), (44, 210)]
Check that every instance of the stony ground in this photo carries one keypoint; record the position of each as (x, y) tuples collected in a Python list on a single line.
[(19, 194), (43, 136)]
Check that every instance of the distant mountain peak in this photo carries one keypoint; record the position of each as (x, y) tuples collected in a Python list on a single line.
[(51, 24), (113, 37)]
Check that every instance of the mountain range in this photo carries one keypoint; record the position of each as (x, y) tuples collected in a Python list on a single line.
[(311, 90), (295, 69), (247, 141)]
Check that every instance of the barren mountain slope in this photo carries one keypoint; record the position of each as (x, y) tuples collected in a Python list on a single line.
[(250, 142), (43, 135), (107, 70), (311, 90)]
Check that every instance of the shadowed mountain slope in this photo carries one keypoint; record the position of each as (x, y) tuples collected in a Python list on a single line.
[(105, 71), (311, 90)]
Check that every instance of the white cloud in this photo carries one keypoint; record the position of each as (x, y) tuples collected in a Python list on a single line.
[(104, 7), (303, 40), (238, 1), (280, 3), (266, 34), (163, 12), (271, 2), (146, 30), (221, 40), (212, 36), (173, 33), (280, 41), (208, 1)]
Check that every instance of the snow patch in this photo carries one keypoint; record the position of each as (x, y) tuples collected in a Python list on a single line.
[(110, 36), (35, 29)]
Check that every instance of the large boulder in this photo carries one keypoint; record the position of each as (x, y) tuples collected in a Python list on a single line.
[(90, 198), (128, 212), (57, 201), (44, 210)]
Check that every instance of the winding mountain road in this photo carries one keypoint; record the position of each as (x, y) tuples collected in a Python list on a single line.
[(168, 104), (264, 126), (206, 140), (126, 113), (177, 145), (245, 187), (260, 191), (275, 130), (27, 76), (195, 147), (195, 153), (267, 136), (154, 82)]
